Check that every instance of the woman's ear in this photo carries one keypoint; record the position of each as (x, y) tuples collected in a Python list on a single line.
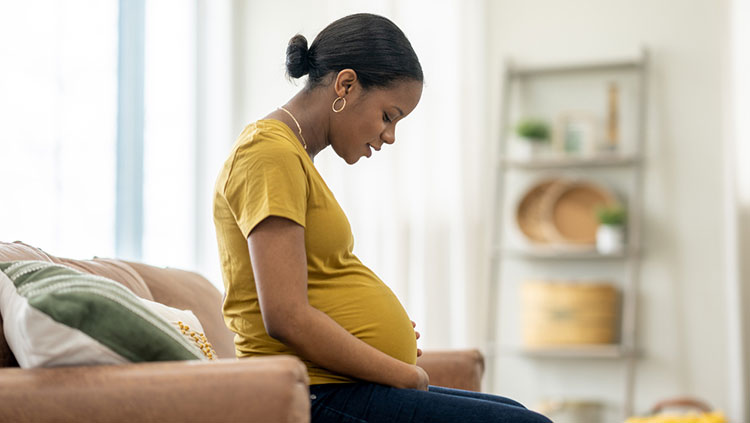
[(345, 82)]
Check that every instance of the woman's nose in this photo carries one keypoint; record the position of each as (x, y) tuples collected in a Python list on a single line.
[(389, 136)]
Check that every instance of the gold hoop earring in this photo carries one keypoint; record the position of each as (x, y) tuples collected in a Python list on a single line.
[(333, 106)]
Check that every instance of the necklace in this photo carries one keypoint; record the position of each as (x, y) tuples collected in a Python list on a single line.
[(304, 144)]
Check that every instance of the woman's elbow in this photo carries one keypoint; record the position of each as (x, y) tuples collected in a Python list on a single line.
[(282, 325)]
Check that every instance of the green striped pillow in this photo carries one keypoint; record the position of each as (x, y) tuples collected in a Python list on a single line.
[(54, 315)]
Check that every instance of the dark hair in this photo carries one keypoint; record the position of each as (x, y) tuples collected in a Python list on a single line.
[(371, 45)]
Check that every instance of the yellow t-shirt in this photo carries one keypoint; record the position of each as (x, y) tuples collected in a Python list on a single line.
[(269, 173)]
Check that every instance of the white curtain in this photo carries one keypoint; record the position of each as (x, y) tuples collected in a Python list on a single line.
[(58, 114), (58, 111), (417, 208), (189, 124), (169, 153)]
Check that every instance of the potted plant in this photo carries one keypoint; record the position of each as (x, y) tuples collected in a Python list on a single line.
[(533, 134), (610, 235)]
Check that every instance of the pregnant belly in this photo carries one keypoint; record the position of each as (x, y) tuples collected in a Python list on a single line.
[(369, 310)]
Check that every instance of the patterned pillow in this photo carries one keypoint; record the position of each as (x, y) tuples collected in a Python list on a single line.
[(54, 315)]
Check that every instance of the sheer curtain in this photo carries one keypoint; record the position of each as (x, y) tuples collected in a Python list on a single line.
[(189, 126), (169, 153), (416, 207), (59, 110), (58, 114)]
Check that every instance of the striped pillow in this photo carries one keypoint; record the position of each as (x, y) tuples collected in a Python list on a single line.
[(54, 316)]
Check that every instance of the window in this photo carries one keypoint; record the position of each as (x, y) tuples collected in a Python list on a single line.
[(58, 110)]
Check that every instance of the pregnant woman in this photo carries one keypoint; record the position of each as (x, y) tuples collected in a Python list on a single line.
[(293, 284)]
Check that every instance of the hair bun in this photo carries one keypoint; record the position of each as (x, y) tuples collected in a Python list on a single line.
[(297, 64)]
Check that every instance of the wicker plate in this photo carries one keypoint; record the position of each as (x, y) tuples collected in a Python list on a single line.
[(571, 212), (530, 214)]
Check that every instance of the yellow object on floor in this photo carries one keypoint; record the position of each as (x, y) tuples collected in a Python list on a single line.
[(711, 417), (701, 412)]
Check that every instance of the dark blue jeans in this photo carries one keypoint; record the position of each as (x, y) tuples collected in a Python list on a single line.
[(374, 403)]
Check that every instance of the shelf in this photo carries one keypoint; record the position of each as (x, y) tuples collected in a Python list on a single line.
[(573, 351), (633, 63), (546, 89), (563, 253), (608, 160), (578, 351)]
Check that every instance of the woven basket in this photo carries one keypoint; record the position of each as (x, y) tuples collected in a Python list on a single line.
[(558, 313)]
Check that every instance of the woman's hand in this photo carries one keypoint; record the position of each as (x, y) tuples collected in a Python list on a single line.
[(415, 378), (414, 325), (423, 379)]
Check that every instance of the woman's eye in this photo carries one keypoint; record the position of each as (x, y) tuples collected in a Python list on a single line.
[(386, 118)]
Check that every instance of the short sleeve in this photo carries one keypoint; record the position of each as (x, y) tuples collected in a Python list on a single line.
[(266, 179)]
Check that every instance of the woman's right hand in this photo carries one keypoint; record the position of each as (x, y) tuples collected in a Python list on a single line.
[(422, 378)]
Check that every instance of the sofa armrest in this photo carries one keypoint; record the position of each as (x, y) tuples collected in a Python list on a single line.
[(459, 369), (268, 389)]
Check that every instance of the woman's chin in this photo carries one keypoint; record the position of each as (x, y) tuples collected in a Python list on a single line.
[(355, 159)]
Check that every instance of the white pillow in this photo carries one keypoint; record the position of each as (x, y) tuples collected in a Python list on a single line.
[(56, 316)]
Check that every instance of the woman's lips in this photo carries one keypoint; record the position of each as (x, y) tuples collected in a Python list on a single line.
[(371, 147)]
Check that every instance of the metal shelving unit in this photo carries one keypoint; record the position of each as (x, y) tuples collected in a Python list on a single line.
[(501, 250), (603, 160), (563, 254)]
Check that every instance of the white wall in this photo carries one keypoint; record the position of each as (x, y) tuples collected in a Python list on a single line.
[(682, 317), (738, 185)]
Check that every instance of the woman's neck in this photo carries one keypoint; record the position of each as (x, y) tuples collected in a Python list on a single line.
[(306, 107)]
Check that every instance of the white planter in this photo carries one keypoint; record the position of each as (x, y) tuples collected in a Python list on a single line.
[(610, 239), (528, 149)]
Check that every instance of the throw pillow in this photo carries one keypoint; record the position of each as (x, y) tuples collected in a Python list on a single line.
[(54, 315), (186, 322)]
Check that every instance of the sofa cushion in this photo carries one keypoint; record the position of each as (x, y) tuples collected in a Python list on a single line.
[(18, 250), (55, 315), (110, 269)]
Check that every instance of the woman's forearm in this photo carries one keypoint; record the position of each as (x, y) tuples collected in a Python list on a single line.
[(320, 339)]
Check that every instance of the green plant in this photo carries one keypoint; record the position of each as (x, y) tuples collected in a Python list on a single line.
[(611, 215), (533, 129)]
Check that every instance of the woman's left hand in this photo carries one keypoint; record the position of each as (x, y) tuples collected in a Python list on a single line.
[(414, 325)]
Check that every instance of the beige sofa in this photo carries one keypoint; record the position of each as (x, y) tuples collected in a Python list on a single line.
[(273, 389)]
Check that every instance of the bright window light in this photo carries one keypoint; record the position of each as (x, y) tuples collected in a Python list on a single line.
[(169, 135), (58, 109)]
